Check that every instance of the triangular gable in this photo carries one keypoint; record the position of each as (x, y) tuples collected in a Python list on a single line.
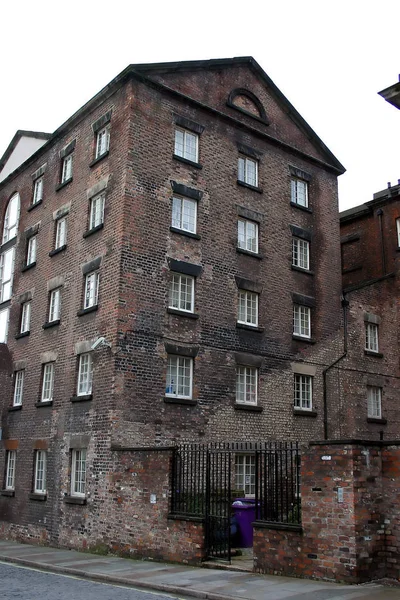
[(21, 147), (240, 88)]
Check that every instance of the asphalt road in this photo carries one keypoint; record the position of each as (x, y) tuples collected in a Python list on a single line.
[(21, 583)]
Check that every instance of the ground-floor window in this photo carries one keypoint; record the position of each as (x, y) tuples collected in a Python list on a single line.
[(245, 473)]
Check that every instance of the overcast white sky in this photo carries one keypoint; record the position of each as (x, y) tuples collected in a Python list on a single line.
[(330, 58)]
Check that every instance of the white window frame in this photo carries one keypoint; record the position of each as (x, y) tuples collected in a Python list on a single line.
[(299, 192), (6, 280), (55, 305), (245, 474), (301, 253), (303, 392), (371, 337), (374, 402), (26, 310), (91, 292), (176, 389), (182, 146), (78, 472), (47, 382), (67, 167), (37, 190), (246, 385), (247, 314), (31, 250), (184, 214), (102, 141), (40, 483), (4, 318), (96, 216), (181, 292), (61, 233), (85, 375), (248, 170), (19, 377), (10, 227), (302, 321), (10, 470), (245, 240)]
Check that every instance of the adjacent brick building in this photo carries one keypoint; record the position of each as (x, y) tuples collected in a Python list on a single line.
[(171, 272)]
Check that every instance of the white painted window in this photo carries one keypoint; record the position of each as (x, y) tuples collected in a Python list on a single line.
[(245, 473), (248, 235), (18, 387), (374, 396), (181, 292), (246, 385), (55, 305), (248, 170), (299, 192), (300, 253), (179, 377), (10, 228), (31, 251), (78, 473), (10, 469), (97, 210), (247, 308), (4, 315), (301, 321), (102, 141), (39, 486), (37, 191), (85, 374), (67, 168), (371, 337), (61, 233), (398, 232), (6, 274), (91, 289), (303, 392), (48, 382), (187, 145), (184, 214), (25, 317)]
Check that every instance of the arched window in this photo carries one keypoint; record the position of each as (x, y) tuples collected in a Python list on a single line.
[(11, 219)]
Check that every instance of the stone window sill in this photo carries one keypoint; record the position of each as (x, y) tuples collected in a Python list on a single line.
[(9, 493), (57, 250), (43, 404), (86, 311), (186, 161), (5, 304), (248, 253), (15, 408), (22, 335), (27, 267), (300, 270), (93, 230), (74, 500), (375, 420), (195, 236), (185, 401), (38, 497), (51, 324), (63, 184), (305, 208), (99, 158), (32, 206), (247, 407), (82, 398), (182, 313), (305, 413), (299, 338), (372, 353), (255, 188), (249, 327)]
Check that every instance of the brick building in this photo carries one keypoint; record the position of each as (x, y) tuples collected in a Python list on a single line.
[(170, 272)]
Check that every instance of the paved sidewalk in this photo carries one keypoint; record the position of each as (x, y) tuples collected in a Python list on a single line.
[(212, 584)]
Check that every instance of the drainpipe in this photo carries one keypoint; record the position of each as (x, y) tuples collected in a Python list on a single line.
[(379, 212), (345, 304)]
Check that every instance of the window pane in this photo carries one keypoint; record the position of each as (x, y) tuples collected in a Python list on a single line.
[(18, 388), (78, 483), (4, 325), (85, 375), (179, 377), (40, 472)]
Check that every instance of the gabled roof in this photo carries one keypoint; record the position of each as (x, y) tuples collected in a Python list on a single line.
[(20, 134)]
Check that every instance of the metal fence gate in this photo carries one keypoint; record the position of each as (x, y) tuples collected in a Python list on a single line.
[(218, 504)]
